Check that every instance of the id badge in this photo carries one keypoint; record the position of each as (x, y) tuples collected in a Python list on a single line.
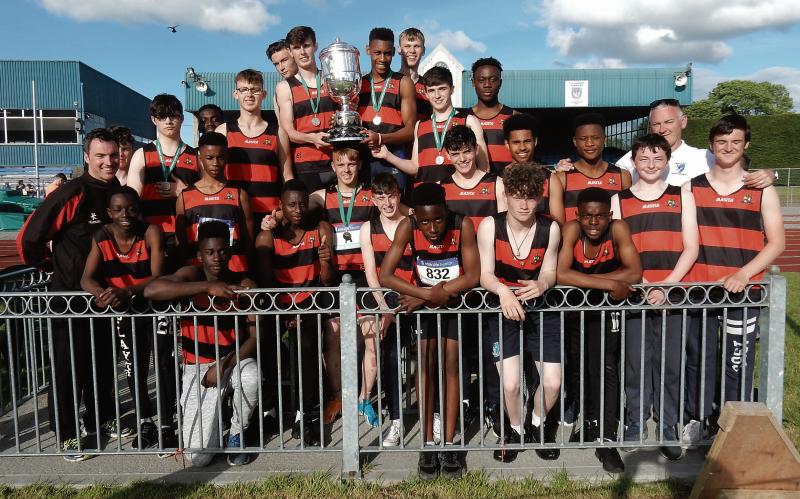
[(347, 236)]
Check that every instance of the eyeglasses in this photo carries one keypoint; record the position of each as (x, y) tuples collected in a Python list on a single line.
[(248, 90), (665, 102)]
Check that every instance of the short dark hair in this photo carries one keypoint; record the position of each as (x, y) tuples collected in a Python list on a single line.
[(213, 107), (594, 195), (164, 106), (588, 119), (213, 229), (384, 183), (437, 75), (123, 190), (651, 142), (460, 137), (412, 34), (101, 134), (382, 34), (727, 124), (524, 180), (277, 46), (487, 61), (299, 34), (294, 185), (428, 194), (521, 121), (60, 175), (250, 76), (212, 139), (123, 134)]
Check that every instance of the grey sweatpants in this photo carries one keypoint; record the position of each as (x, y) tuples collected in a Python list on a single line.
[(201, 419)]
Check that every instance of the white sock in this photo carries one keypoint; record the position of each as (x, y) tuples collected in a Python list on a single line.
[(517, 428), (272, 412), (448, 443), (466, 401), (298, 416), (429, 443), (535, 419)]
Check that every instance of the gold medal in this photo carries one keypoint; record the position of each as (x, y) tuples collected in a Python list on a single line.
[(440, 160), (376, 120)]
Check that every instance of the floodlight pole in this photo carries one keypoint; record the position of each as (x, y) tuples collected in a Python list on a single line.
[(35, 141)]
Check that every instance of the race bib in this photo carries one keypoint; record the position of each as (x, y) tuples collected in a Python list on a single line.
[(347, 236), (202, 220), (432, 272)]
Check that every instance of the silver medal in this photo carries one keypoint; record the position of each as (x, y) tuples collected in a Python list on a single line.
[(439, 160), (376, 120), (163, 186), (315, 121)]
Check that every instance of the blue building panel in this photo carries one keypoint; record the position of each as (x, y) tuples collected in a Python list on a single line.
[(21, 155), (117, 103), (57, 84)]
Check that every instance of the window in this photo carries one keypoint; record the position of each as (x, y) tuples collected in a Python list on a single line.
[(52, 126)]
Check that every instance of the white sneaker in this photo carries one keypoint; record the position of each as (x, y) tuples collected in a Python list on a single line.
[(437, 428), (391, 437), (692, 434)]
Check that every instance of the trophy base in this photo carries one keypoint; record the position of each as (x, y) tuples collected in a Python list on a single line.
[(349, 134)]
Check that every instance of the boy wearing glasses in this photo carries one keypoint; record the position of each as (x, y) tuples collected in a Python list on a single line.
[(257, 160), (598, 254)]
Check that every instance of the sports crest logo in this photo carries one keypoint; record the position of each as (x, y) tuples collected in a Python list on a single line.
[(267, 142), (188, 162), (671, 203), (679, 167), (229, 196), (453, 241), (311, 239), (485, 190), (612, 181), (747, 199), (537, 258), (365, 198)]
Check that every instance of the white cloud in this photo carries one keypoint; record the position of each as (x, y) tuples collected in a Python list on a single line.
[(608, 62), (654, 31), (705, 80), (247, 17), (455, 41)]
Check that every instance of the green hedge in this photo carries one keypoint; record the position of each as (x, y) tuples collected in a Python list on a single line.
[(773, 139)]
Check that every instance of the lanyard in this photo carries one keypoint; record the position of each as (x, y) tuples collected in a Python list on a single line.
[(314, 103), (439, 139), (377, 105), (167, 170), (346, 219)]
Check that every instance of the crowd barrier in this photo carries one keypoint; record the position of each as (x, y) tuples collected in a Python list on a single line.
[(290, 325)]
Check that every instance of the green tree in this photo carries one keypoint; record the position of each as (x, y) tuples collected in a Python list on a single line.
[(744, 97), (703, 109)]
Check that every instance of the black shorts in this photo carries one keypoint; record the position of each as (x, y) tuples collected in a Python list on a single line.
[(427, 325), (547, 349)]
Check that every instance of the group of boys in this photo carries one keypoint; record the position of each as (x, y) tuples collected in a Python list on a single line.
[(432, 203)]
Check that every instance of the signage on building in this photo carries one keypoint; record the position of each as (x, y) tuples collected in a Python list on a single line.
[(576, 93)]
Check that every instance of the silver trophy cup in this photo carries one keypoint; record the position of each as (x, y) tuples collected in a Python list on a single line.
[(341, 72)]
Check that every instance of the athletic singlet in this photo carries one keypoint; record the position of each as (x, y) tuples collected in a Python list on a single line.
[(509, 269), (253, 167), (655, 230), (731, 230), (476, 203), (348, 243), (604, 262), (224, 206), (381, 244), (307, 157), (575, 182), (437, 263), (499, 155), (427, 154), (391, 118), (296, 264), (118, 269), (223, 330), (156, 209), (423, 104)]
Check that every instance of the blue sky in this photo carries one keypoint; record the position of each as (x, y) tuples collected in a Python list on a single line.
[(128, 39)]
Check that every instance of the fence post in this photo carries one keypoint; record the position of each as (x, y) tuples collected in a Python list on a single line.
[(770, 371), (349, 367)]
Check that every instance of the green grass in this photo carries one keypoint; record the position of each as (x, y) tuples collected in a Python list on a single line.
[(791, 381), (474, 485)]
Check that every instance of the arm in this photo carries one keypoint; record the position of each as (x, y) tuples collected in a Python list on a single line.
[(556, 198), (760, 179), (222, 128), (407, 166), (89, 281), (265, 248), (327, 272), (181, 226), (690, 235), (402, 236), (136, 171), (482, 159), (500, 194), (509, 303), (247, 235), (284, 155), (183, 284), (283, 94), (564, 273), (631, 270), (626, 179), (371, 273), (470, 260), (408, 110), (616, 211)]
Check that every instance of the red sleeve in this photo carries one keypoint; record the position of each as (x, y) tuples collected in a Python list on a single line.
[(57, 211)]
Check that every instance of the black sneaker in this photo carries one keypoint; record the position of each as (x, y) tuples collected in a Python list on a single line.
[(310, 434), (271, 427), (491, 416), (590, 432), (610, 459), (149, 434), (671, 452), (532, 435), (170, 441), (428, 465), (468, 415), (450, 465), (508, 455)]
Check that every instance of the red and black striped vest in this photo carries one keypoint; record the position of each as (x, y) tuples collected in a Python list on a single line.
[(575, 182), (253, 167), (224, 206), (381, 244), (499, 155), (121, 270), (509, 269), (476, 203), (424, 109), (308, 158), (436, 263), (348, 242), (155, 208), (391, 117), (731, 230), (604, 262), (655, 229), (296, 264), (213, 330), (429, 170)]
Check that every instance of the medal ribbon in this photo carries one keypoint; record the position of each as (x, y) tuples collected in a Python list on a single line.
[(439, 139), (377, 105), (167, 170), (314, 103), (346, 219)]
